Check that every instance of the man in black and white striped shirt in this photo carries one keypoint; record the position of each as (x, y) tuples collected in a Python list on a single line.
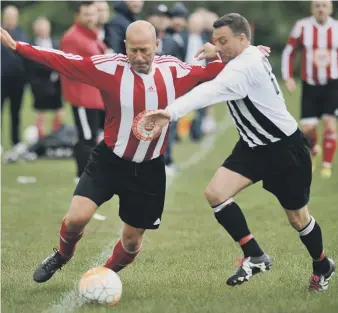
[(271, 148)]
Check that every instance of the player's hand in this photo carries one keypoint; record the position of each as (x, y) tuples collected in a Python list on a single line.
[(265, 50), (7, 39), (291, 85), (208, 51), (156, 119)]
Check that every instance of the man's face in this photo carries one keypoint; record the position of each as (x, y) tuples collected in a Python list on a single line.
[(227, 43), (10, 17), (42, 28), (178, 24), (196, 23), (141, 53), (88, 16), (135, 6), (321, 10), (103, 12)]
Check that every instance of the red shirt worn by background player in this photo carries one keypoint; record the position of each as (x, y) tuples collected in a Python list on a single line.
[(319, 46), (82, 41), (127, 93)]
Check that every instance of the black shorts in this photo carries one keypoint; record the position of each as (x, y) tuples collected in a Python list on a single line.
[(284, 167), (319, 100), (140, 186), (51, 103)]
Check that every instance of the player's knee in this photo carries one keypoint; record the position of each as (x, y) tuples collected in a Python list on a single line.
[(132, 244), (299, 221), (214, 196), (76, 223), (80, 213), (132, 239)]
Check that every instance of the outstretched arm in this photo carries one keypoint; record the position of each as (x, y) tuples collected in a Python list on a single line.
[(84, 69), (189, 76), (230, 84)]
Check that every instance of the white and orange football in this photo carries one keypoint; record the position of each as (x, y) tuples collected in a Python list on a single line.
[(101, 285)]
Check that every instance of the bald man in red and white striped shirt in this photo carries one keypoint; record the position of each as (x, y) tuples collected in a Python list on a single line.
[(317, 37), (129, 161)]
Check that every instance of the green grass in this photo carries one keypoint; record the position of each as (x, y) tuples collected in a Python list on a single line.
[(184, 265)]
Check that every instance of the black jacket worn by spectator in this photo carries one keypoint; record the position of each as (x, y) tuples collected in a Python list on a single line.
[(12, 64), (167, 46), (117, 27), (13, 79)]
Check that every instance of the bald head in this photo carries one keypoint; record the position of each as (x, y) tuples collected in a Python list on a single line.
[(141, 46), (142, 30), (10, 17), (321, 10)]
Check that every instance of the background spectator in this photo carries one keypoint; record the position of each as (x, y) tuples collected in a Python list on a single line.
[(126, 13), (86, 101), (13, 75), (159, 17), (45, 83)]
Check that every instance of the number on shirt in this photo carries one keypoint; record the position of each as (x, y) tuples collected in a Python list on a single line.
[(268, 68)]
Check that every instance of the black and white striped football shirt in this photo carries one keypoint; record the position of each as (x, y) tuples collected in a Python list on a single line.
[(253, 96)]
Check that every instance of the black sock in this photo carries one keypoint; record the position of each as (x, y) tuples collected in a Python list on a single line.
[(231, 217), (311, 236), (251, 248)]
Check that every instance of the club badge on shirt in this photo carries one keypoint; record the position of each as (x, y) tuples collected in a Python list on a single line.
[(321, 58), (143, 131)]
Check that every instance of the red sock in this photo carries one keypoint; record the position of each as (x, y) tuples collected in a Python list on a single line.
[(329, 147), (68, 241), (56, 123), (120, 258), (312, 138)]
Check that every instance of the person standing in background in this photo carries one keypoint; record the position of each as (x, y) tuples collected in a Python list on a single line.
[(13, 75), (102, 24), (194, 38), (209, 121), (178, 24), (159, 17), (104, 34), (317, 37), (86, 101), (126, 13), (45, 83)]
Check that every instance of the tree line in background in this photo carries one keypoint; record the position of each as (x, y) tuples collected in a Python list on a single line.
[(273, 20)]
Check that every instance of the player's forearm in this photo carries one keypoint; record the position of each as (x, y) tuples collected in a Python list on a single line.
[(200, 97)]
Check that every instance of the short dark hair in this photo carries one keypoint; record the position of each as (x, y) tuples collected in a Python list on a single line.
[(79, 4), (236, 22)]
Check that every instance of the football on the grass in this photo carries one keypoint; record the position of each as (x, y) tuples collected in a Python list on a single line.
[(101, 285)]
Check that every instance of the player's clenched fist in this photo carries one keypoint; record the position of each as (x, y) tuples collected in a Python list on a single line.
[(7, 39)]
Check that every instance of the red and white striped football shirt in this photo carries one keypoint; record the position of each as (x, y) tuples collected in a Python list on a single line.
[(319, 45), (127, 93)]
